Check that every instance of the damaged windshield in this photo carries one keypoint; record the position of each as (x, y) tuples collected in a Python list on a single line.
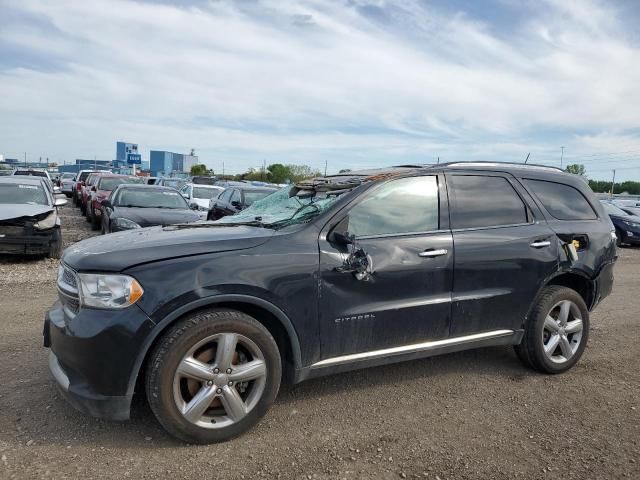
[(285, 207)]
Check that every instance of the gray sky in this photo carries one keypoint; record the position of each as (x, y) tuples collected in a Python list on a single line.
[(357, 83)]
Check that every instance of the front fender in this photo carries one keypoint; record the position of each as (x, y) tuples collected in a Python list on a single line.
[(164, 323)]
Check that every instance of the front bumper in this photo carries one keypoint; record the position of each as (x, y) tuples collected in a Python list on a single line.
[(94, 357), (26, 241)]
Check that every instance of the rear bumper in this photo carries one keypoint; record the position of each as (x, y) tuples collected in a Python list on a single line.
[(603, 284)]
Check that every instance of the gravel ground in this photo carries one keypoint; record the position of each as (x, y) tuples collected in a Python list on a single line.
[(477, 414)]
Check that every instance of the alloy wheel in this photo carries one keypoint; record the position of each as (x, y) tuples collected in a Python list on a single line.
[(219, 380), (562, 332)]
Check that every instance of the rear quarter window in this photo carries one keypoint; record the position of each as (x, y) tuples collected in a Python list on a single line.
[(563, 202)]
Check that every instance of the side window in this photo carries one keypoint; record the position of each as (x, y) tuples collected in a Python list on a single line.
[(562, 201), (226, 195), (406, 205), (481, 201), (235, 196)]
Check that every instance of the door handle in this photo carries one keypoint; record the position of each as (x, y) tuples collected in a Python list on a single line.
[(541, 244), (433, 253)]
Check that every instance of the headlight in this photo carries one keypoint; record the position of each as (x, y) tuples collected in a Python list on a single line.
[(125, 223), (48, 222), (108, 291)]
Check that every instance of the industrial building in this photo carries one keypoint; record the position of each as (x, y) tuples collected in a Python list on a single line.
[(164, 163)]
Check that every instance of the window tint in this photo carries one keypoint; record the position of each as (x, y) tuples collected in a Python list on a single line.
[(562, 201), (400, 206), (480, 201), (235, 196)]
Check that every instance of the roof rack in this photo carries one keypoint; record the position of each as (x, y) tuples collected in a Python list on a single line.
[(533, 166)]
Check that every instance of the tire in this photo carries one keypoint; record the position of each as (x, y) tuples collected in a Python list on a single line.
[(93, 220), (74, 199), (55, 250), (83, 208), (537, 349), (171, 393)]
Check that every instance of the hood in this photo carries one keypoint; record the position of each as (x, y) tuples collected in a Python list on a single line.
[(150, 217), (17, 210), (627, 218), (118, 251)]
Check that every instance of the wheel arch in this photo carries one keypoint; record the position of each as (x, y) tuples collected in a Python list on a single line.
[(577, 281), (269, 315)]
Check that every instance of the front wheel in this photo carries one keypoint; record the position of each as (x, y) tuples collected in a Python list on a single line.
[(556, 332), (213, 376)]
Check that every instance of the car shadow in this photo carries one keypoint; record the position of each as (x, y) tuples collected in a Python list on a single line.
[(144, 431)]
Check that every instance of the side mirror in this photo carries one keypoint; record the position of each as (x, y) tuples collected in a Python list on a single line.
[(93, 189), (193, 206), (341, 238), (235, 203), (58, 202), (106, 203)]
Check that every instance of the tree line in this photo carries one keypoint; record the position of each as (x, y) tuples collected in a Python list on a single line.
[(274, 173), (604, 186)]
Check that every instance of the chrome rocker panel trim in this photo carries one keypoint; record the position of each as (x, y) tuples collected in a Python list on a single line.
[(413, 348)]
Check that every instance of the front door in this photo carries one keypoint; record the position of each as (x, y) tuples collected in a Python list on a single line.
[(504, 251), (401, 227)]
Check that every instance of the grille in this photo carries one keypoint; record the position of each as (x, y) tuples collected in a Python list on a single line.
[(69, 278), (11, 231), (68, 290)]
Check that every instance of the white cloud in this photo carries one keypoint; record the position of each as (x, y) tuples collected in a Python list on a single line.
[(288, 79)]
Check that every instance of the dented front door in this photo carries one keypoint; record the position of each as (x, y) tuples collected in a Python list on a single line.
[(403, 296)]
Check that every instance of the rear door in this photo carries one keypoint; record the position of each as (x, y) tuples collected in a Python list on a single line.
[(402, 227), (504, 250)]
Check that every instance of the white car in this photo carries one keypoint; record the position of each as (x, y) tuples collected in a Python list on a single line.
[(198, 196), (67, 180)]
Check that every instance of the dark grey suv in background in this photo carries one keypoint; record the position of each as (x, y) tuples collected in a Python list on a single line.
[(332, 274)]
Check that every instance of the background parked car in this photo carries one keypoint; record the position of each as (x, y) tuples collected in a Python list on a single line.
[(198, 197), (103, 187), (79, 184), (235, 199), (176, 183), (133, 206), (85, 192), (34, 172), (627, 226), (67, 181), (631, 210), (29, 222)]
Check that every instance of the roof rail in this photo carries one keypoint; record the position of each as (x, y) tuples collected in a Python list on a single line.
[(500, 164)]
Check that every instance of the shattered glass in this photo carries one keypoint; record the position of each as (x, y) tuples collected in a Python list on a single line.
[(287, 206)]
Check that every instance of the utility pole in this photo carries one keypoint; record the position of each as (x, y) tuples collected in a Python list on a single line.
[(264, 168), (561, 155), (527, 159), (613, 182), (325, 167), (25, 159), (223, 169), (438, 159)]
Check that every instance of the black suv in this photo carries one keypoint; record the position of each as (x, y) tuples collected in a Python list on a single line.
[(328, 275)]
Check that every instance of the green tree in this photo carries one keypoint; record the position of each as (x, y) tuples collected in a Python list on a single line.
[(576, 169), (278, 173), (200, 170)]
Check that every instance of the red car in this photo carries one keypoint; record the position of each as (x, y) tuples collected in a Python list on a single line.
[(101, 189), (85, 190), (81, 177)]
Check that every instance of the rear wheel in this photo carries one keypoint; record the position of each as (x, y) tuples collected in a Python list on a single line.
[(557, 331), (213, 376)]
